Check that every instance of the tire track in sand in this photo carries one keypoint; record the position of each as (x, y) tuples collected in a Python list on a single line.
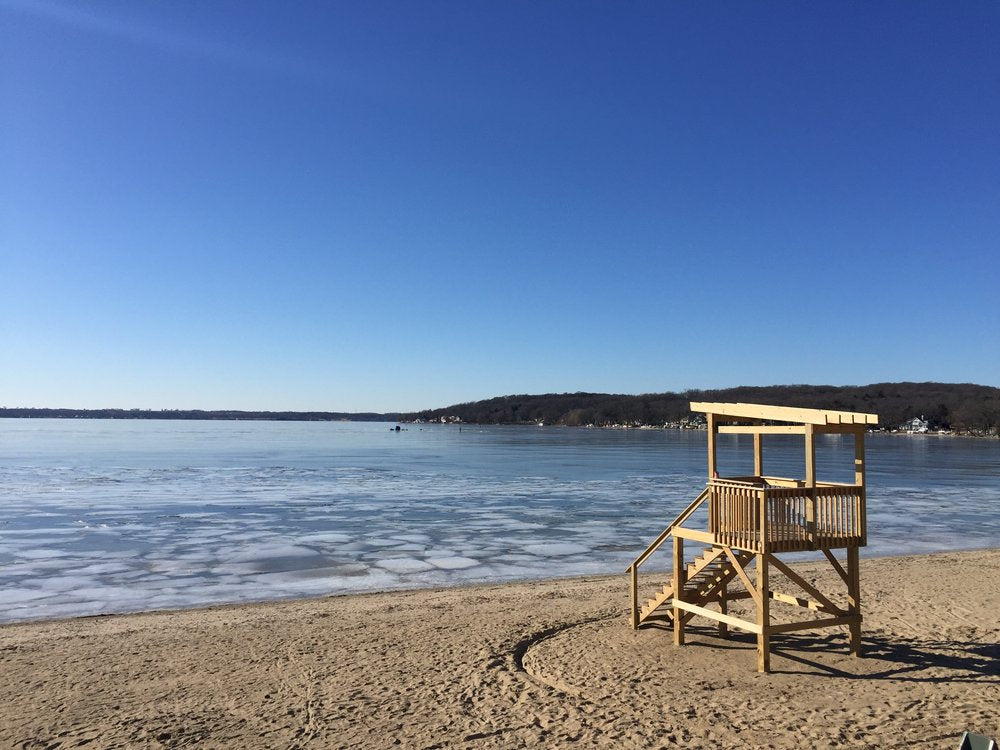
[(522, 647)]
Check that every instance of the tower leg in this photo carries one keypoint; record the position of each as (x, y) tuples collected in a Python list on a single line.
[(634, 595), (854, 599), (763, 617), (679, 581), (724, 609)]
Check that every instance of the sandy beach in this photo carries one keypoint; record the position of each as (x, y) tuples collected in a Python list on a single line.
[(538, 664)]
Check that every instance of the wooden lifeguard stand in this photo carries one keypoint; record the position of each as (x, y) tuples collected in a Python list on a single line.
[(750, 520)]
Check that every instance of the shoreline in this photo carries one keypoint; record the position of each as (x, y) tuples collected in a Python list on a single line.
[(649, 571), (531, 663), (378, 419)]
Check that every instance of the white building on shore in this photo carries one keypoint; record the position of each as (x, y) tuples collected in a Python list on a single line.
[(916, 426)]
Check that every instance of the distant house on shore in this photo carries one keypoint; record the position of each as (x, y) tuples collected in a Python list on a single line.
[(697, 422), (917, 425)]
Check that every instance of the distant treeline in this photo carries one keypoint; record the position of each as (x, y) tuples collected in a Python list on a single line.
[(959, 406), (963, 407), (277, 416)]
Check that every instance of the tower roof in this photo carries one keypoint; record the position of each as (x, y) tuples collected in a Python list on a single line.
[(793, 414)]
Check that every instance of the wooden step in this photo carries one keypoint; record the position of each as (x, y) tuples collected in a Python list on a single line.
[(714, 565), (705, 575), (663, 615), (711, 556), (701, 588), (644, 612), (666, 593)]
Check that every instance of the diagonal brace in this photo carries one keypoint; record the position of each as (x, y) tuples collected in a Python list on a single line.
[(806, 586), (743, 576), (837, 566)]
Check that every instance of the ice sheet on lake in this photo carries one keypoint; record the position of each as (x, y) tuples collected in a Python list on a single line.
[(556, 549), (184, 525), (404, 565), (453, 563)]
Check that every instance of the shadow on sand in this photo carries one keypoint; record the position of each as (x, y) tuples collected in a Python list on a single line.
[(885, 657)]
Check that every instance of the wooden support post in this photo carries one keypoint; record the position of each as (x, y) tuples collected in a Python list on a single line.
[(854, 599), (724, 609), (859, 479), (810, 487), (634, 580), (859, 457), (680, 579), (713, 434), (763, 523), (763, 617), (758, 454)]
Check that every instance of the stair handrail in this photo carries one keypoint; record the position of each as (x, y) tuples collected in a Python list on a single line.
[(684, 515)]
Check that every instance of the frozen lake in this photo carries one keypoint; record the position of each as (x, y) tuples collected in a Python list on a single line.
[(100, 516)]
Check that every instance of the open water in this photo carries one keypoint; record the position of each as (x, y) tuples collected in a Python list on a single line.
[(101, 516)]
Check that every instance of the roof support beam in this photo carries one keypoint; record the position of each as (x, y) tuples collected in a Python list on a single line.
[(763, 429)]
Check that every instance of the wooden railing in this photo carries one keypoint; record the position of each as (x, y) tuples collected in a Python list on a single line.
[(767, 514), (633, 569), (840, 515), (752, 514), (734, 513), (665, 534)]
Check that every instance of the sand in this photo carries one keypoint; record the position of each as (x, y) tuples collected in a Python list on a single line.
[(541, 664)]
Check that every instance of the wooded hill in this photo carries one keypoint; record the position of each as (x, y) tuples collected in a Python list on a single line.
[(963, 407), (960, 406)]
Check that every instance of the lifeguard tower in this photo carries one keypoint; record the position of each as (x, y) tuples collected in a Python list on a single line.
[(751, 520)]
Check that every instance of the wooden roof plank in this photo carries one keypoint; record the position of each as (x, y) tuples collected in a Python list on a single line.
[(852, 417), (800, 415)]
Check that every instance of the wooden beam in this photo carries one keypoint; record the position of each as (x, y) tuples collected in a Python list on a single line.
[(763, 616), (761, 411), (836, 566), (804, 603), (783, 481), (763, 522), (854, 599), (804, 584), (758, 454), (685, 514), (734, 561), (810, 434), (723, 609), (849, 417), (829, 622), (783, 413), (730, 596), (694, 535), (811, 483), (680, 579), (634, 588), (762, 429), (859, 480), (711, 614), (713, 465)]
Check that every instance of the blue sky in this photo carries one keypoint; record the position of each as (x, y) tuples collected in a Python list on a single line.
[(395, 205)]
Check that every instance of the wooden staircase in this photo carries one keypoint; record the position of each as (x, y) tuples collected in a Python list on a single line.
[(704, 580)]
